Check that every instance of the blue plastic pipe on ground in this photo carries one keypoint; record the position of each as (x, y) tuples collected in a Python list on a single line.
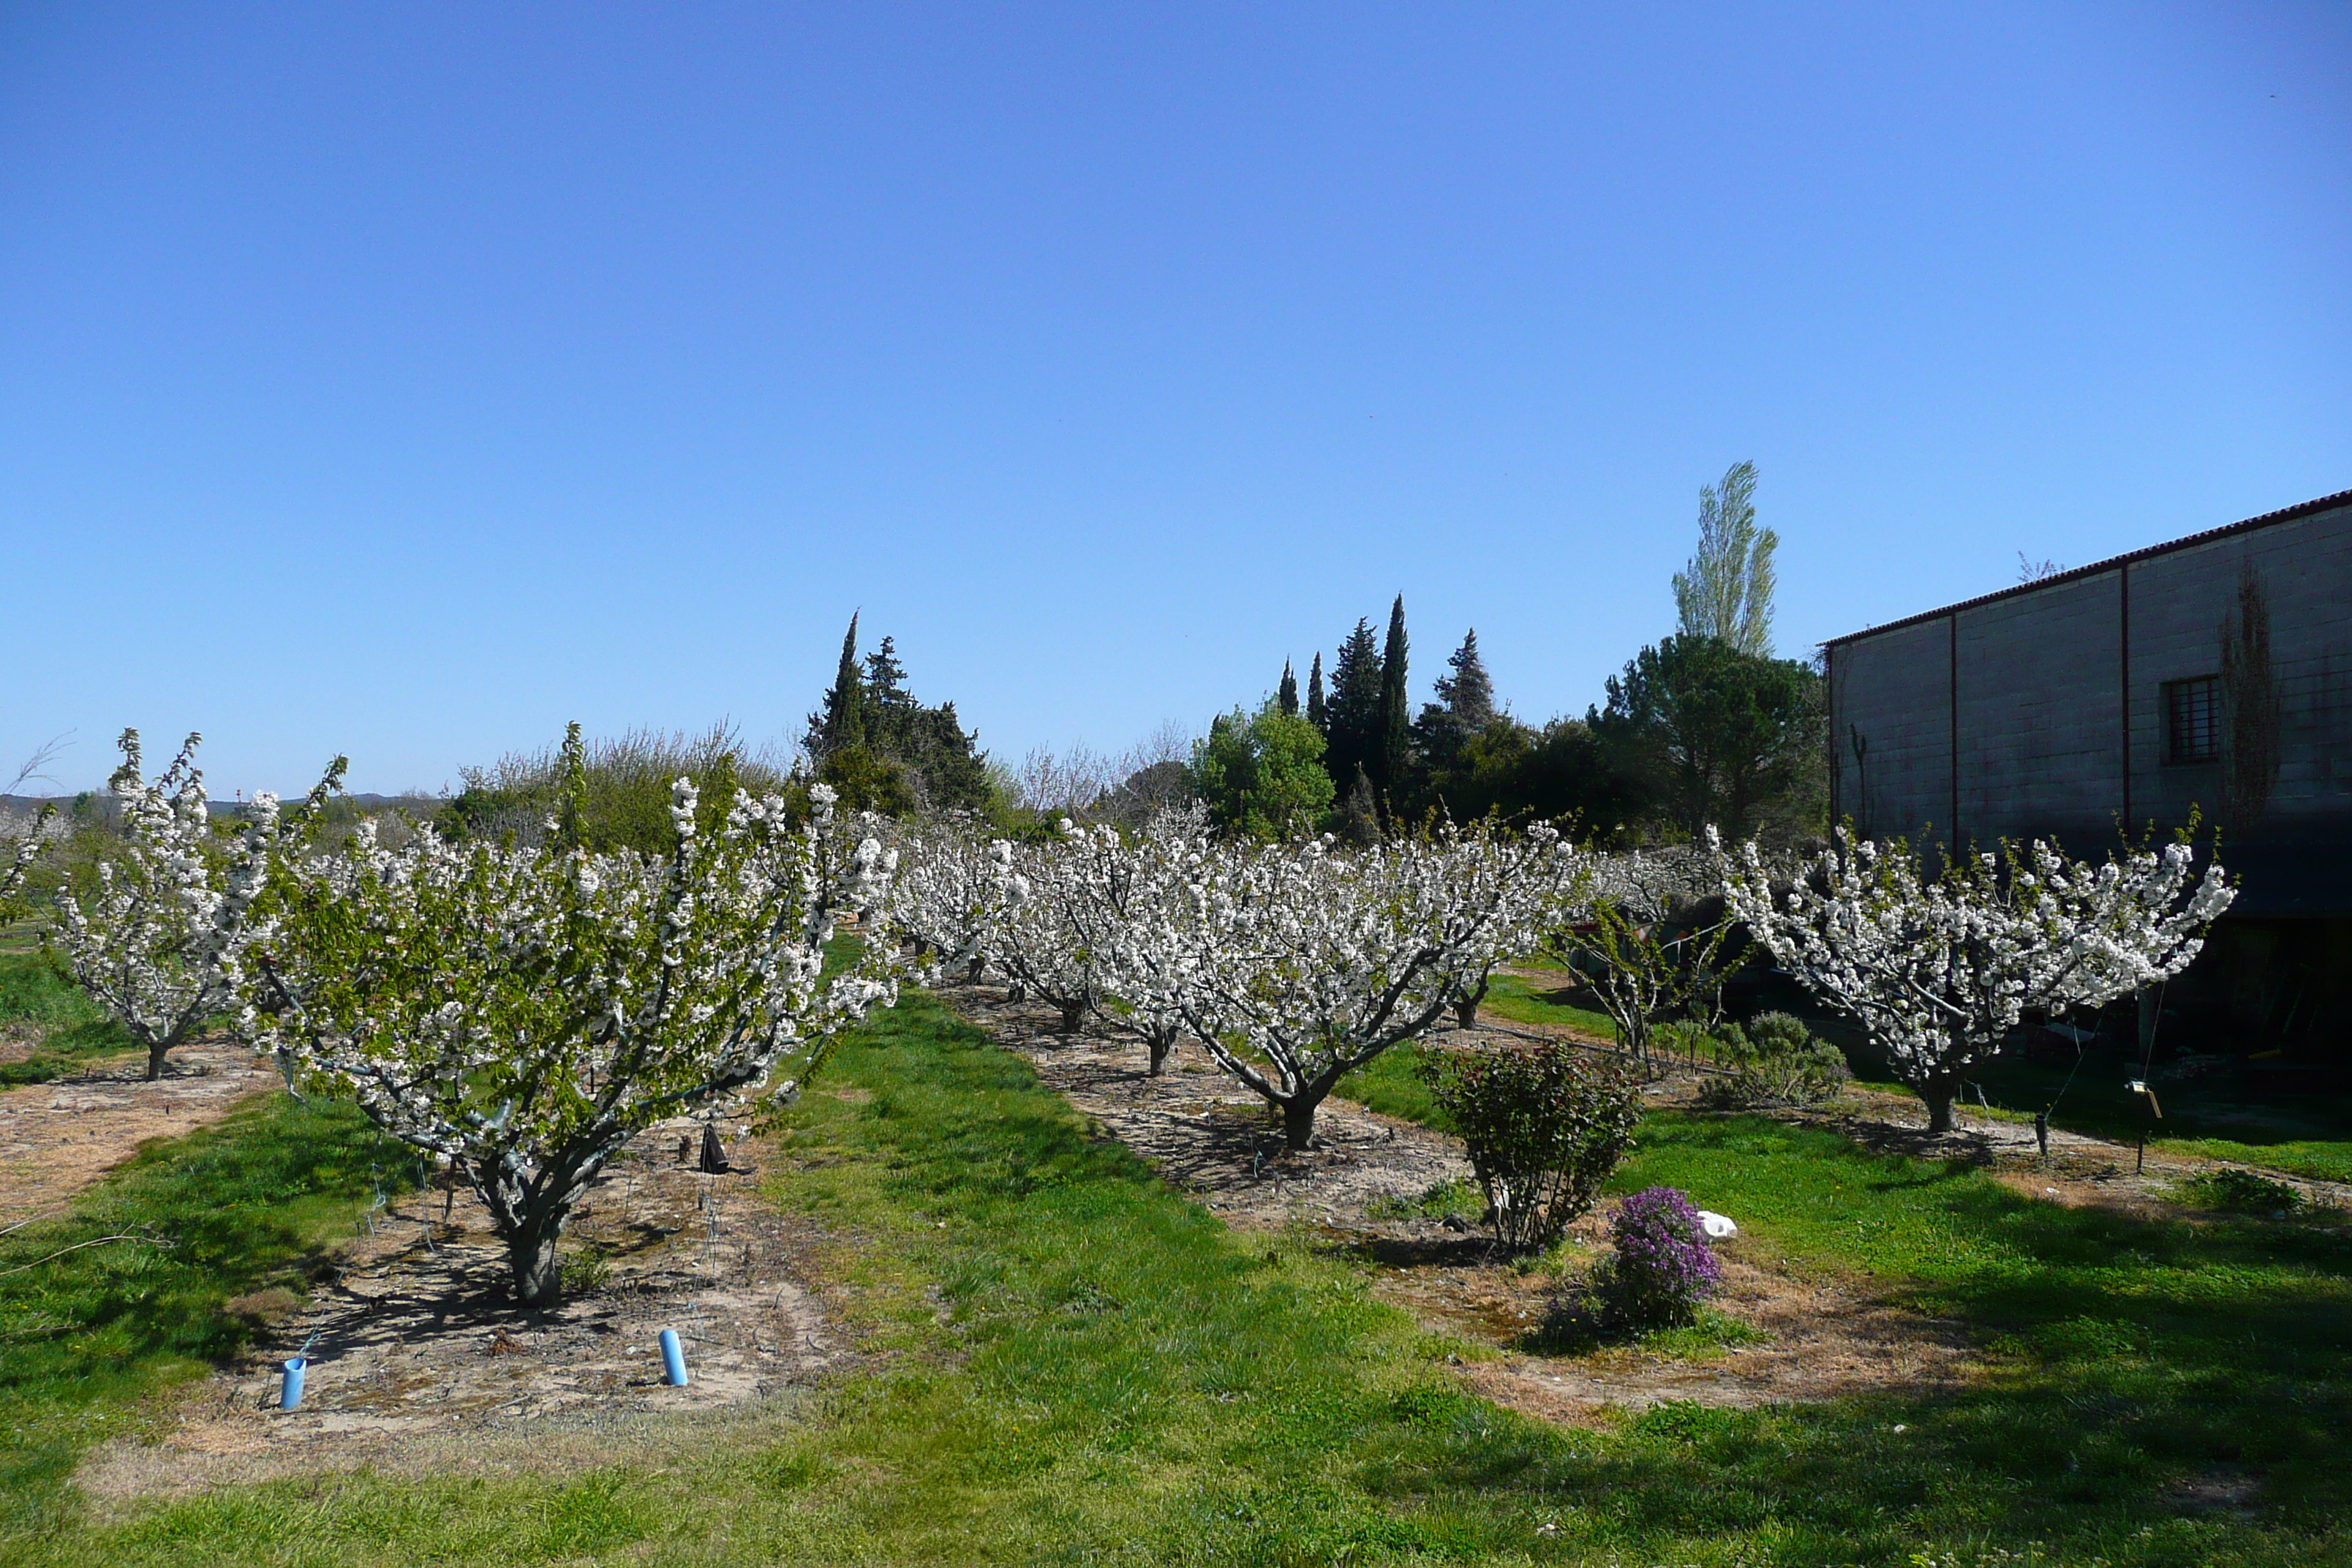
[(672, 1359), (290, 1392)]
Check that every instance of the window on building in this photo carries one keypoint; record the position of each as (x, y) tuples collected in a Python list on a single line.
[(2192, 714)]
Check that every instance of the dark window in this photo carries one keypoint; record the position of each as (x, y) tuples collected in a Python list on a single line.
[(2192, 727)]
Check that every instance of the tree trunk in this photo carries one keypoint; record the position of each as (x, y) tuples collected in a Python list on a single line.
[(1939, 1097), (536, 1272), (1297, 1123), (155, 1049), (1466, 1008), (1160, 1045), (1073, 1014), (530, 1223)]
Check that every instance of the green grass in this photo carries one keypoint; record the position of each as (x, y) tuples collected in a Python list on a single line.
[(1392, 1084), (2326, 1160), (1084, 1367), (84, 1337), (37, 993), (1509, 997)]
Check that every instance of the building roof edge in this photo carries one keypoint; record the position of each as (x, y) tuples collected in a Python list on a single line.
[(2113, 562)]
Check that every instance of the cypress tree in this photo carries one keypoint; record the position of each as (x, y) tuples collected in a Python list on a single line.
[(1288, 696), (841, 724), (1352, 713), (1392, 745), (1314, 711)]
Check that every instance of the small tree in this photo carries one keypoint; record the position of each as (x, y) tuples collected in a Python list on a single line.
[(521, 1014), (955, 884), (1545, 1126), (1042, 941), (1937, 970), (1645, 960), (1295, 965), (162, 944)]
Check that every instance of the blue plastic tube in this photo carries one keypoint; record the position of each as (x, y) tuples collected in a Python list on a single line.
[(290, 1392), (672, 1359)]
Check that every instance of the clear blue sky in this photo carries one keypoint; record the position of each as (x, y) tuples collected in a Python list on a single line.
[(406, 381)]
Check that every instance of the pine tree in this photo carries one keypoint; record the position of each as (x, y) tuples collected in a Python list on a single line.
[(1315, 713), (1392, 751), (1288, 697), (841, 724), (1351, 715), (1467, 694)]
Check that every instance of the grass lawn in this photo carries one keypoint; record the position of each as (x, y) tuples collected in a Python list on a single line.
[(237, 1207), (1509, 997), (1085, 1366), (38, 995)]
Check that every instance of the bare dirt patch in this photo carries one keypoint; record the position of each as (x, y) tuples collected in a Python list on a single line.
[(1209, 1136), (418, 1362), (56, 1138)]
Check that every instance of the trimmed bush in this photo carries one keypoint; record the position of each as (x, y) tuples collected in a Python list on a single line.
[(1545, 1123), (1662, 1267), (1775, 1060), (2243, 1192)]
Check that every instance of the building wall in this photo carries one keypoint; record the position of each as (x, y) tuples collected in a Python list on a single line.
[(2061, 706)]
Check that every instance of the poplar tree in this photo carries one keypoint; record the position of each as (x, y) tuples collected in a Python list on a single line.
[(1315, 712), (1726, 592), (1288, 697), (1392, 751)]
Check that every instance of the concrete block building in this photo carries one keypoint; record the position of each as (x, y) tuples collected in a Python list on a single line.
[(2101, 700)]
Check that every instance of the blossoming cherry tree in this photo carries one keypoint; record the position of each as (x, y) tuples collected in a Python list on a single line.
[(1937, 970), (521, 1014)]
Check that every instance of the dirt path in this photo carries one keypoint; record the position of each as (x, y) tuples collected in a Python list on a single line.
[(58, 1138), (419, 1364)]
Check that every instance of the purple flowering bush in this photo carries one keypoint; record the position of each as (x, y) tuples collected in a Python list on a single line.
[(1662, 1267)]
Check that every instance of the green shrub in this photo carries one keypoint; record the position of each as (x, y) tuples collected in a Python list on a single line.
[(1545, 1123), (1775, 1060), (2243, 1192)]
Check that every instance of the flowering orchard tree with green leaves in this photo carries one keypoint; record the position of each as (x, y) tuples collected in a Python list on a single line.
[(519, 1014), (1937, 970), (162, 944)]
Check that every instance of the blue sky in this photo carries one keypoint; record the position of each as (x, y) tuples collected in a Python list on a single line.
[(405, 382)]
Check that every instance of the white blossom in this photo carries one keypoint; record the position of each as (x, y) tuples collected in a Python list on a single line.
[(1937, 970), (521, 1013), (162, 944)]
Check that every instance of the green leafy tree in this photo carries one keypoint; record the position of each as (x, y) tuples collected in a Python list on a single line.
[(1727, 592), (1262, 776), (1714, 736), (1288, 696), (1316, 714)]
